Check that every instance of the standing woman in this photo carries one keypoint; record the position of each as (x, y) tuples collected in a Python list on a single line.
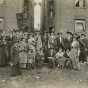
[(74, 53), (31, 52), (3, 52), (23, 53), (45, 45), (51, 41), (15, 59)]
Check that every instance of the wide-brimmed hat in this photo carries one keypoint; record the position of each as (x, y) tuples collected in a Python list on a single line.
[(75, 35), (70, 33), (83, 34)]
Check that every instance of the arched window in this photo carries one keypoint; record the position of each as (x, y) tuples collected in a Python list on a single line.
[(37, 14)]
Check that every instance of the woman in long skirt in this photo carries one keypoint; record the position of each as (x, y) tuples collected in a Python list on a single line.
[(23, 53), (74, 54), (3, 53), (15, 60)]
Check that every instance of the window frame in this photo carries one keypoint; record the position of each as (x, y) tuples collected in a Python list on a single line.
[(83, 7), (79, 21)]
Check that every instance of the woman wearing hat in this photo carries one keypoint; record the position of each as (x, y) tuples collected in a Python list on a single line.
[(74, 53)]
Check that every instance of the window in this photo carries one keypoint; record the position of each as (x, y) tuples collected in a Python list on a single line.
[(37, 14), (80, 25), (80, 3)]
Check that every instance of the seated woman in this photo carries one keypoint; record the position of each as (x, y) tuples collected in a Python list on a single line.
[(60, 59)]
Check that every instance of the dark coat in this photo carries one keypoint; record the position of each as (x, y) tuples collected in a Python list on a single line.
[(3, 54), (14, 55), (58, 43), (84, 49), (67, 43)]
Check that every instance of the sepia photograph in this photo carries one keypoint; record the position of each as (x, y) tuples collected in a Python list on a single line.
[(43, 43)]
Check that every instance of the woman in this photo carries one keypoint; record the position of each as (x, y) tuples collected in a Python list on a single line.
[(74, 53), (3, 52), (15, 59), (31, 52), (51, 40), (23, 53)]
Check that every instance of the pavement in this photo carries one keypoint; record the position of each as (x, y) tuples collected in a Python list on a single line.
[(45, 78)]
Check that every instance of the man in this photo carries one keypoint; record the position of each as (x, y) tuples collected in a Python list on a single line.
[(68, 40), (59, 41), (51, 40), (45, 45)]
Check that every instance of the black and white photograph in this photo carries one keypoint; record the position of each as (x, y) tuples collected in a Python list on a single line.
[(43, 43)]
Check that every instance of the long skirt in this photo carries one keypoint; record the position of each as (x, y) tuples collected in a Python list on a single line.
[(61, 61), (15, 70), (75, 59), (23, 59), (3, 55)]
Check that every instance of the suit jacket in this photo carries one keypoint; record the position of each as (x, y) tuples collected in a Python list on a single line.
[(60, 43), (67, 43)]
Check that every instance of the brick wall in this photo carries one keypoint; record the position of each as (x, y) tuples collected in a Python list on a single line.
[(9, 12), (66, 12)]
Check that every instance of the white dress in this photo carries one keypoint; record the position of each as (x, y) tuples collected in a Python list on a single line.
[(74, 55)]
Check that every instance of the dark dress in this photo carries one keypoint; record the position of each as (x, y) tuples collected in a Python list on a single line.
[(45, 47), (9, 46), (15, 61), (3, 54), (83, 53)]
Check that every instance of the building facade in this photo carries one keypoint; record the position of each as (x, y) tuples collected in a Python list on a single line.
[(8, 10), (71, 15)]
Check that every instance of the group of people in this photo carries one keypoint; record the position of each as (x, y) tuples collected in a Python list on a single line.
[(32, 50), (69, 49)]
